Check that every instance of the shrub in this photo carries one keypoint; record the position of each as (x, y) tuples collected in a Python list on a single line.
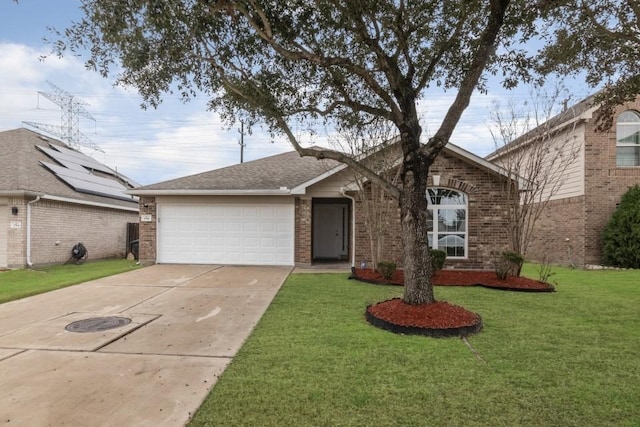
[(544, 270), (621, 236), (386, 268), (438, 258), (506, 262)]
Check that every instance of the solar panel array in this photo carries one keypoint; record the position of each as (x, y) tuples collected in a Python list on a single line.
[(74, 168)]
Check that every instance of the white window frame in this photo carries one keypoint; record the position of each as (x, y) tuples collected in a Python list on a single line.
[(623, 145), (435, 232)]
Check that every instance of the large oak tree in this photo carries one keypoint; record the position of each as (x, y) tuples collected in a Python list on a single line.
[(336, 62)]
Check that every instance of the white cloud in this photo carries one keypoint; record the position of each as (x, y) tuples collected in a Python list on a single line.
[(146, 145), (177, 139)]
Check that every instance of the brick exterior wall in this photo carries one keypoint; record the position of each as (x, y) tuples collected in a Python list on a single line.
[(148, 234), (559, 233), (486, 211), (486, 218), (582, 219), (605, 183), (17, 237), (57, 226), (303, 231)]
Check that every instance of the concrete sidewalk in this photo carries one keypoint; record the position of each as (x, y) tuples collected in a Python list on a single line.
[(186, 323)]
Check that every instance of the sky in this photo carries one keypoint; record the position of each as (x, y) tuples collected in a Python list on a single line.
[(176, 139)]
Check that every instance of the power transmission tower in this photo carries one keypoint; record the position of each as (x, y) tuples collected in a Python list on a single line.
[(72, 109)]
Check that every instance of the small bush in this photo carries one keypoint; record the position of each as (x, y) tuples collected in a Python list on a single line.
[(506, 262), (621, 236), (544, 271), (386, 268), (438, 258)]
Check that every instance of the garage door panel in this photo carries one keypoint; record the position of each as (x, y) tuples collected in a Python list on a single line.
[(226, 234)]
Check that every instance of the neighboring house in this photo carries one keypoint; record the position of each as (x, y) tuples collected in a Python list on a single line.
[(292, 210), (606, 164), (52, 197)]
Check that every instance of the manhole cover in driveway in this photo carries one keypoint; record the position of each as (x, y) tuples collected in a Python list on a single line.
[(97, 324)]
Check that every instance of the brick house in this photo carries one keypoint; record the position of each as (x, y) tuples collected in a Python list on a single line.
[(607, 163), (52, 197), (292, 210)]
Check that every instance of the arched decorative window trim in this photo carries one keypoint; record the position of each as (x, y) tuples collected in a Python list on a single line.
[(628, 139), (444, 227)]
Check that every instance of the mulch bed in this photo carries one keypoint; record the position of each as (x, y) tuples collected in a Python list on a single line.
[(487, 279), (437, 319)]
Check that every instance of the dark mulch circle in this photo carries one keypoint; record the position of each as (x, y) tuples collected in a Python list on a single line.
[(437, 319), (487, 279)]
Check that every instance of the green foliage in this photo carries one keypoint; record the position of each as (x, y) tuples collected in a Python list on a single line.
[(295, 64), (291, 60), (506, 263), (16, 284), (621, 236), (561, 359), (598, 39), (438, 258), (386, 268)]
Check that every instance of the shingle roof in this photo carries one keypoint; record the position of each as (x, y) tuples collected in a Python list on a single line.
[(270, 173), (21, 171)]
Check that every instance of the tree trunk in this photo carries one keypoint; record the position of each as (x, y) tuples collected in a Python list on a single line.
[(413, 210)]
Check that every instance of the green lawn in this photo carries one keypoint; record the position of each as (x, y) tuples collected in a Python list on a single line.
[(16, 284), (569, 358)]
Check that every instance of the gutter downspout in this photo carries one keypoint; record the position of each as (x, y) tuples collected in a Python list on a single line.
[(37, 199), (343, 191)]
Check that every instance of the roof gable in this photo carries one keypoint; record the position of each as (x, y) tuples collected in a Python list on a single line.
[(582, 110), (283, 174)]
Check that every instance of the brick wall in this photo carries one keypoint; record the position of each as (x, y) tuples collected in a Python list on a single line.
[(17, 237), (57, 226), (582, 219), (148, 235), (487, 210), (605, 183), (303, 227), (559, 234)]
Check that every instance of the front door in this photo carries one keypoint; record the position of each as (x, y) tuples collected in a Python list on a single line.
[(330, 235)]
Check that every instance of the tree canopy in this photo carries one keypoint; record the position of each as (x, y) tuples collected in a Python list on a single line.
[(600, 38), (291, 62), (344, 63)]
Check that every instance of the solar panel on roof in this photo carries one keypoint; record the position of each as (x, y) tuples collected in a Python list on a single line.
[(75, 157), (73, 166), (74, 169), (92, 188), (84, 176)]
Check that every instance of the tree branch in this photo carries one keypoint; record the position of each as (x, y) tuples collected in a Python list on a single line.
[(481, 57)]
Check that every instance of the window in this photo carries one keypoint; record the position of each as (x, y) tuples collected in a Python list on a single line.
[(628, 139), (447, 221)]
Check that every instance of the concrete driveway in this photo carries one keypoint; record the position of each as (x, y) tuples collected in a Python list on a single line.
[(186, 323)]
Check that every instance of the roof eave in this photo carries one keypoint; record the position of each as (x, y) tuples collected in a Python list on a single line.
[(19, 193), (263, 192)]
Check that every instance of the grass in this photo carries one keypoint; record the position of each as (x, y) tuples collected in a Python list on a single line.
[(16, 284), (568, 358)]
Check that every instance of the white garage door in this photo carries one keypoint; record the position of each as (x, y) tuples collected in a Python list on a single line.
[(249, 234)]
